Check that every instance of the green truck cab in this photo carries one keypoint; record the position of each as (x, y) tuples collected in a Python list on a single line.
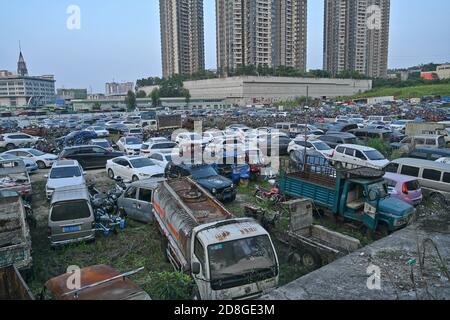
[(358, 194)]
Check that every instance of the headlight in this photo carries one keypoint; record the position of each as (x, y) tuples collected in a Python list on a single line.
[(232, 186), (213, 190)]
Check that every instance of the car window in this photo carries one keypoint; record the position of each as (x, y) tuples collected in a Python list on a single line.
[(431, 142), (419, 141), (145, 195), (157, 157), (199, 252), (65, 172), (430, 174), (70, 210), (446, 177), (360, 155), (340, 149), (392, 168), (131, 193), (410, 171), (349, 152), (98, 150)]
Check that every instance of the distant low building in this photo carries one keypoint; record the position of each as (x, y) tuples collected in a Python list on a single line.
[(71, 94), (428, 75)]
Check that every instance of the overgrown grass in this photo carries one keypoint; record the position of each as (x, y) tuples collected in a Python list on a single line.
[(407, 92)]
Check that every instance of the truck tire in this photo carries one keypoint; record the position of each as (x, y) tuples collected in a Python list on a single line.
[(311, 260)]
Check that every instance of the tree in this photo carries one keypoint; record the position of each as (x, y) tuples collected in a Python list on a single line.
[(130, 101), (155, 95), (97, 106), (187, 96), (141, 94)]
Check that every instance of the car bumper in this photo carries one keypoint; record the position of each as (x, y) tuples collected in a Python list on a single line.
[(226, 196), (55, 243)]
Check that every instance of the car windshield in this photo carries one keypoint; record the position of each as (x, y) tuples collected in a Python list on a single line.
[(65, 172), (241, 257), (168, 157), (142, 162), (321, 146), (203, 172), (36, 153), (374, 155), (133, 141), (350, 141), (412, 185)]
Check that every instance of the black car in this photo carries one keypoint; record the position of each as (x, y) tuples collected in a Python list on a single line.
[(336, 138), (89, 157), (206, 176)]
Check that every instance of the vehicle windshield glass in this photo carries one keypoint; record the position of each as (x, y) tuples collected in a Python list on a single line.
[(374, 155), (70, 210), (65, 172), (142, 162), (379, 188), (168, 157), (133, 141), (203, 172), (412, 185), (104, 144), (350, 141), (36, 153), (241, 257), (321, 146)]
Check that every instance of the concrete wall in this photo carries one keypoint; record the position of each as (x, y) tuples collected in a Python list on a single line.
[(245, 90)]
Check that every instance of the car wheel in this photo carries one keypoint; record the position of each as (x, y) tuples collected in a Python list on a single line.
[(135, 178), (41, 164), (10, 146), (111, 174)]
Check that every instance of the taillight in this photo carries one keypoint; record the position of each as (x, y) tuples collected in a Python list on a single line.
[(405, 189)]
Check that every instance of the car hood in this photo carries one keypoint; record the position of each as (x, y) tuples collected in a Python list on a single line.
[(395, 207), (66, 182), (217, 182)]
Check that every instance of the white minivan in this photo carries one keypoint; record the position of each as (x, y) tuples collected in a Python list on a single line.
[(349, 156)]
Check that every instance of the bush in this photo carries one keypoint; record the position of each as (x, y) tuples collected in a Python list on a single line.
[(169, 286), (380, 145)]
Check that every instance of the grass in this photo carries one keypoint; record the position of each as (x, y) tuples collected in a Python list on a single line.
[(407, 92)]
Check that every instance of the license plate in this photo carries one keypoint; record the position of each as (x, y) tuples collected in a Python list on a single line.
[(72, 229)]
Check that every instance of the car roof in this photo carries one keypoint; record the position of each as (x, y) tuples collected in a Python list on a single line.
[(356, 147), (131, 157), (71, 193), (399, 177), (423, 163), (65, 163)]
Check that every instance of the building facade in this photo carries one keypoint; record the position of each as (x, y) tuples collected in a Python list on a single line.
[(356, 37), (115, 88), (443, 71), (244, 91), (261, 32), (22, 90), (182, 36)]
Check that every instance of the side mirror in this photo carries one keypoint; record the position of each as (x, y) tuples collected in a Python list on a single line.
[(195, 268), (46, 176)]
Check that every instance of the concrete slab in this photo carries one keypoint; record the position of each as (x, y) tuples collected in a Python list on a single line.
[(347, 278)]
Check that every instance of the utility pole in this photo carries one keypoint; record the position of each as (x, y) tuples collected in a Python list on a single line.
[(306, 108)]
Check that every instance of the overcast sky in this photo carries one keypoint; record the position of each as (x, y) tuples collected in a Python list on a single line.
[(120, 39)]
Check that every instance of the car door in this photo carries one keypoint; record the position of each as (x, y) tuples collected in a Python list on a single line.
[(121, 144), (101, 156), (128, 202), (144, 210), (127, 171)]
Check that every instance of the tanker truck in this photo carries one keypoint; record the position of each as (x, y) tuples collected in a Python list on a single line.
[(228, 257)]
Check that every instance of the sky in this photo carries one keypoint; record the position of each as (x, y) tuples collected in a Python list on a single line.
[(120, 40)]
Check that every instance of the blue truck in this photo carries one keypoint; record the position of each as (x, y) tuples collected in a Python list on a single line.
[(358, 195)]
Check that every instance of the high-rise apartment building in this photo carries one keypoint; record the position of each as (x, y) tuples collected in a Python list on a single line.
[(261, 32), (182, 36), (356, 36)]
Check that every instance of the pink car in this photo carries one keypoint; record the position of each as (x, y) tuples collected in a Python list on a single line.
[(405, 188)]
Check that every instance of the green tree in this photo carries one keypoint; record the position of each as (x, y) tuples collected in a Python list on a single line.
[(156, 98), (141, 94), (130, 101), (187, 96), (97, 106)]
